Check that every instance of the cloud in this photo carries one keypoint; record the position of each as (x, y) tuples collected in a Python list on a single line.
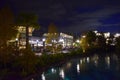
[(99, 14), (92, 20), (83, 26), (71, 15), (109, 25)]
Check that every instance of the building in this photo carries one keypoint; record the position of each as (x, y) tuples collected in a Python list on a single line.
[(117, 35), (67, 40), (20, 40), (63, 39), (22, 35)]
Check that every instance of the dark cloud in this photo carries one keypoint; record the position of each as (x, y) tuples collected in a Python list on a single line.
[(91, 20), (72, 15)]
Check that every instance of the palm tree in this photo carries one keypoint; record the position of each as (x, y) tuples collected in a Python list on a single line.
[(27, 20)]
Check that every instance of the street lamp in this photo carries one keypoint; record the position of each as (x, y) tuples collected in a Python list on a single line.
[(16, 44), (16, 40)]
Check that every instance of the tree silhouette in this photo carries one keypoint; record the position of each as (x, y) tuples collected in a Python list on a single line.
[(101, 41), (52, 36), (7, 26), (27, 20), (91, 37), (84, 43), (118, 44), (7, 32), (52, 33)]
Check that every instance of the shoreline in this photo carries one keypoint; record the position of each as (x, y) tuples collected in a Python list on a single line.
[(62, 62), (65, 58)]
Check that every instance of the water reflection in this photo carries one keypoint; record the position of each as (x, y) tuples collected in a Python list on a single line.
[(96, 63), (69, 64), (88, 59), (82, 65), (78, 68), (115, 57), (62, 75), (53, 70), (81, 61), (84, 60), (95, 58), (83, 68), (43, 76), (107, 60)]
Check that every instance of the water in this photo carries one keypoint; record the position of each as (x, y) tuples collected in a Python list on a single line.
[(95, 67)]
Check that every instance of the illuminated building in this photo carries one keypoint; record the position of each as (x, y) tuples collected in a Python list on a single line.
[(67, 39), (21, 36), (20, 39), (97, 33), (64, 39), (35, 41), (117, 35), (107, 35)]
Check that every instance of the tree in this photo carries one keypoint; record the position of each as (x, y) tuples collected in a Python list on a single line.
[(84, 43), (52, 36), (118, 44), (91, 38), (7, 32), (110, 40), (52, 33), (7, 26), (101, 41), (27, 20)]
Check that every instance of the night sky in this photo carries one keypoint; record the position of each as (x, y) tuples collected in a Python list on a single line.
[(74, 16)]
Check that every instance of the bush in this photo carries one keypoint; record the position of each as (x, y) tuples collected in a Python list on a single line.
[(27, 61)]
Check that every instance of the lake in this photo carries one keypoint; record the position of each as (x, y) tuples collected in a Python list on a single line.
[(95, 67)]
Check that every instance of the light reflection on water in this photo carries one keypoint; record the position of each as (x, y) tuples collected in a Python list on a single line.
[(78, 68), (69, 65), (81, 61), (62, 73), (107, 60), (53, 70), (86, 68), (95, 58), (43, 76), (88, 59)]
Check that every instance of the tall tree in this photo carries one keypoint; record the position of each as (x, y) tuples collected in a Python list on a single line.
[(91, 37), (110, 40), (7, 32), (118, 44), (84, 43), (101, 41), (7, 27), (52, 33), (52, 36), (27, 20)]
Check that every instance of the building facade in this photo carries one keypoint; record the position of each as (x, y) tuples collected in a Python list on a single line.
[(63, 39)]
